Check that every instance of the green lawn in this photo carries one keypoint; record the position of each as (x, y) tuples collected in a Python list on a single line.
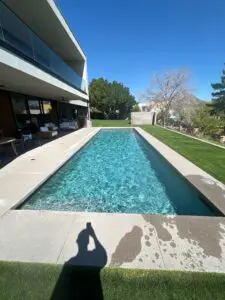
[(208, 157), (110, 123), (42, 281)]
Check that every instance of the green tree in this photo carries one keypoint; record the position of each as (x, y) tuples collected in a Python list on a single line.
[(218, 100), (113, 99), (98, 93), (207, 123)]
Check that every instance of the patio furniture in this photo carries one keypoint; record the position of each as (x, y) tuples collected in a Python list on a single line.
[(9, 140), (26, 137), (51, 126), (46, 133), (69, 125)]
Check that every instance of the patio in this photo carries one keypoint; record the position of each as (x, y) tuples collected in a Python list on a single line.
[(7, 154)]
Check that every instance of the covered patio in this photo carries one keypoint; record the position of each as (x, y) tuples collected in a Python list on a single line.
[(28, 122), (7, 154)]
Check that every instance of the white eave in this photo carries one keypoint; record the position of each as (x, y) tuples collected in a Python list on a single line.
[(79, 103)]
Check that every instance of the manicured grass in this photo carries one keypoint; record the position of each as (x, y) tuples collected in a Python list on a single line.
[(208, 157), (42, 281), (110, 123)]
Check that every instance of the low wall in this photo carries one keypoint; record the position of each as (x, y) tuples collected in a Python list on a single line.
[(139, 118)]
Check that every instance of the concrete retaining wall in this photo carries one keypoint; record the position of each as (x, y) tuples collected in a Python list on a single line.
[(138, 118)]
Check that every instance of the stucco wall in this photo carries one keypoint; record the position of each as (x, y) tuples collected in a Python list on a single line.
[(138, 118)]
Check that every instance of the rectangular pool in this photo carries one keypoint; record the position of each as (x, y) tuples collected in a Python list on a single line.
[(118, 172)]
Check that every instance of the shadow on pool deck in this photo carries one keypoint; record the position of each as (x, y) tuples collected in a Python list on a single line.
[(80, 276)]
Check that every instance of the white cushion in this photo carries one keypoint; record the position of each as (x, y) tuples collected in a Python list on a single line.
[(44, 129)]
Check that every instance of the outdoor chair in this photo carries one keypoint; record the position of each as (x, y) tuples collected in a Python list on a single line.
[(45, 132)]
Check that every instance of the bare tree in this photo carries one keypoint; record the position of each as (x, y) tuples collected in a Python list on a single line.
[(184, 107), (167, 89)]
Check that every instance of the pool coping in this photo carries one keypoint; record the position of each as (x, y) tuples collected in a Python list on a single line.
[(185, 243), (192, 243)]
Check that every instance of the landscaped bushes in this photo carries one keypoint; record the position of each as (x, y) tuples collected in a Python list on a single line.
[(202, 124), (97, 115)]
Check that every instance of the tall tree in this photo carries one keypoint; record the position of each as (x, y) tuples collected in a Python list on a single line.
[(98, 93), (113, 99), (218, 100)]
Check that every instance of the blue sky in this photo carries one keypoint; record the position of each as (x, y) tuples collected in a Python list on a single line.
[(129, 40)]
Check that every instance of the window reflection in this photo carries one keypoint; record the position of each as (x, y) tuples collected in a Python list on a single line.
[(34, 107), (47, 107), (20, 109), (11, 26)]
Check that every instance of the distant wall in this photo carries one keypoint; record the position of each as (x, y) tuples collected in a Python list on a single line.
[(139, 118)]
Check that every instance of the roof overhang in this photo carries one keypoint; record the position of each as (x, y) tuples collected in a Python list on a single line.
[(79, 103), (45, 19), (20, 76)]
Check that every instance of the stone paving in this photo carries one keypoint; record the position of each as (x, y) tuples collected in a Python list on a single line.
[(128, 240)]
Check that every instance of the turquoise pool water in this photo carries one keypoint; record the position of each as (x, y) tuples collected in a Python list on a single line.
[(118, 171)]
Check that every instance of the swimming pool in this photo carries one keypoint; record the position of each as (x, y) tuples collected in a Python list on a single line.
[(118, 172)]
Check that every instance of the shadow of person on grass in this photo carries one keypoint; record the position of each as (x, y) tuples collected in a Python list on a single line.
[(80, 277)]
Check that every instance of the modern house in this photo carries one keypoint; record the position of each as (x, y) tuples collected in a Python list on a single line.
[(43, 70)]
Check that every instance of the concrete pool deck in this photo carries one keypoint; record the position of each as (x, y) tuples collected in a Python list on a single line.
[(130, 240)]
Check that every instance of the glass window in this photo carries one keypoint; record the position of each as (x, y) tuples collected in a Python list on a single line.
[(34, 107), (1, 34), (41, 52), (15, 32), (22, 39), (58, 66), (63, 70), (47, 107), (20, 109), (19, 104)]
